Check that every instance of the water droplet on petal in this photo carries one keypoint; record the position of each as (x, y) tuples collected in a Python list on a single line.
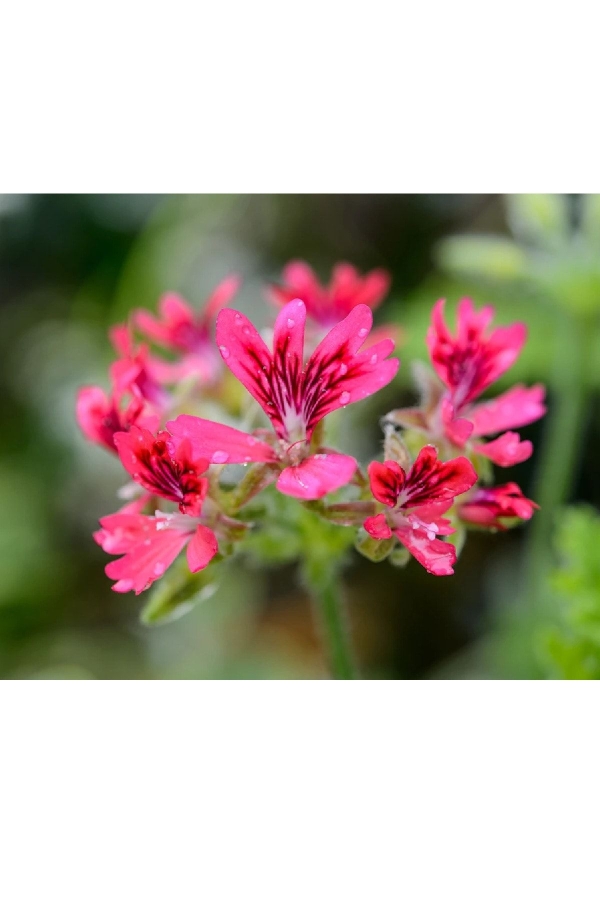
[(219, 456), (224, 352), (374, 359), (245, 330), (159, 569), (345, 398), (252, 440), (343, 368), (363, 332), (290, 323), (238, 319)]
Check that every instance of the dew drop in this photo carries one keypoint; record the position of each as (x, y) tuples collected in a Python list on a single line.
[(345, 398), (252, 441), (238, 319), (290, 323), (159, 568), (224, 352), (245, 330), (374, 359), (363, 332), (343, 368), (219, 456)]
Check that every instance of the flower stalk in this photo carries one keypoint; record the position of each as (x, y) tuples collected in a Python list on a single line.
[(323, 582)]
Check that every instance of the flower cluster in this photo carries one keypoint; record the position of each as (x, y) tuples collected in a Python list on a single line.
[(321, 355)]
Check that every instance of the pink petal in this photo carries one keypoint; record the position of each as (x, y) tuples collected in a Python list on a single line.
[(301, 279), (432, 481), (337, 375), (348, 336), (457, 430), (386, 481), (246, 355), (147, 560), (378, 527), (375, 286), (93, 406), (175, 309), (316, 476), (517, 407), (437, 557), (506, 450), (221, 296), (288, 339), (220, 443), (201, 548)]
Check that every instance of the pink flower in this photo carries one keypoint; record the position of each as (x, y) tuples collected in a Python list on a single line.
[(467, 364), (329, 305), (136, 371), (184, 331), (497, 507), (295, 396), (100, 418), (416, 501), (150, 544), (164, 467), (471, 361)]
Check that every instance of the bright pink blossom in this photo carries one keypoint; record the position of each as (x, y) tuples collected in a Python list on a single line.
[(136, 371), (329, 305), (467, 364), (470, 361), (101, 416), (150, 544), (416, 501), (162, 466), (295, 396), (497, 507), (181, 329)]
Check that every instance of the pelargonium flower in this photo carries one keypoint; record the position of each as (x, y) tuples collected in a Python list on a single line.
[(100, 415), (184, 331), (136, 371), (467, 364), (329, 305), (497, 507), (416, 500), (470, 361), (164, 467), (294, 395), (149, 544)]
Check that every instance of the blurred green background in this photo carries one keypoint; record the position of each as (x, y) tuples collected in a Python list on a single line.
[(522, 604)]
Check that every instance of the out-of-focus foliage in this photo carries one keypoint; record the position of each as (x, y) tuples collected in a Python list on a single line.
[(571, 647)]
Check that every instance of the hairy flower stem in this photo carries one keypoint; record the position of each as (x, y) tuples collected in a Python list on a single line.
[(323, 583), (562, 446)]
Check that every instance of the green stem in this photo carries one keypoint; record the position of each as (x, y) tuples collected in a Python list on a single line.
[(561, 447), (324, 583)]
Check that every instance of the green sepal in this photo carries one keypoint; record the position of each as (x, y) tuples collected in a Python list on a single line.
[(373, 549)]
